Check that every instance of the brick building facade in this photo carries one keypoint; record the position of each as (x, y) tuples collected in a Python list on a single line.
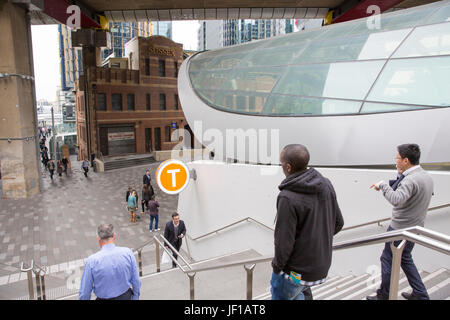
[(133, 109)]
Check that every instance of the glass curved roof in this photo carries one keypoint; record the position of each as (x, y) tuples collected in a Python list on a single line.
[(402, 63)]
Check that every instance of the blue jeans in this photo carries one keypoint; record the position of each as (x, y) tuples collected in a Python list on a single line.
[(156, 218), (284, 289), (408, 267)]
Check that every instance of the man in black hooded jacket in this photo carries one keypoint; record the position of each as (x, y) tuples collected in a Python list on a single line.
[(308, 216)]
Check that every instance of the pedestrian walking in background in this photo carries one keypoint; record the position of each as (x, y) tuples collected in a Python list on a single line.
[(410, 195), (85, 167), (130, 190), (51, 168), (146, 196), (132, 206), (153, 206), (174, 232), (65, 162), (112, 272), (146, 179), (308, 216), (59, 168)]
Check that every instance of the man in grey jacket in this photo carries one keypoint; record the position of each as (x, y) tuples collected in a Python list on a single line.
[(410, 196)]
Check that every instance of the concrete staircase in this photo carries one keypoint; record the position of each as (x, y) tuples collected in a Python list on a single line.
[(230, 283), (353, 287), (112, 163)]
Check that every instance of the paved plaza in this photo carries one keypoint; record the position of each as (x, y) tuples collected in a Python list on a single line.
[(58, 226)]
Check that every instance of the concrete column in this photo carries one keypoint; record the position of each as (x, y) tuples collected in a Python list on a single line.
[(18, 157)]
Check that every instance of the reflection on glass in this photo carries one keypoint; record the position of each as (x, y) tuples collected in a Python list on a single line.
[(381, 45), (335, 80), (420, 81), (294, 105), (426, 41), (369, 107)]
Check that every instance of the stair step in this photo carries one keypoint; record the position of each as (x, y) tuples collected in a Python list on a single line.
[(335, 291), (429, 281), (327, 285)]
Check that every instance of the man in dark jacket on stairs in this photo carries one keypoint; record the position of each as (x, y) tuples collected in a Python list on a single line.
[(308, 216)]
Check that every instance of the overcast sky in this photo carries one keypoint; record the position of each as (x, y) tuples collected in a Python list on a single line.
[(46, 54)]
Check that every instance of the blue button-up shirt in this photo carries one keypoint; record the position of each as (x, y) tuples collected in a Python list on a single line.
[(110, 273)]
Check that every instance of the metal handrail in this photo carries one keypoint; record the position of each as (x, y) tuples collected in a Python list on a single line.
[(39, 273), (228, 226), (166, 242), (428, 238), (387, 219)]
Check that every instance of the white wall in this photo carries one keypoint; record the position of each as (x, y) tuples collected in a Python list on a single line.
[(225, 193)]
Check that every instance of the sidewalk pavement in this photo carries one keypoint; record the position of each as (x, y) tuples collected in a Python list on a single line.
[(59, 225)]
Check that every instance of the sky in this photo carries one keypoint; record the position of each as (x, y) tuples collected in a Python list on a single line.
[(46, 54)]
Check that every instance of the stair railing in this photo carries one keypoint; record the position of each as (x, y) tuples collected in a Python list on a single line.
[(39, 274), (428, 238)]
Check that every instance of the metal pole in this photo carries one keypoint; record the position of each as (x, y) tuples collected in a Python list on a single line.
[(191, 286), (395, 269), (158, 258), (140, 262), (30, 284), (249, 281), (54, 135), (43, 287), (38, 285)]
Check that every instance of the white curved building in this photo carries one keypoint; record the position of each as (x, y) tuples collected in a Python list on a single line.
[(351, 92)]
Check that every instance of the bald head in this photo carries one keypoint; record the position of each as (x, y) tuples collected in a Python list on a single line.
[(294, 158)]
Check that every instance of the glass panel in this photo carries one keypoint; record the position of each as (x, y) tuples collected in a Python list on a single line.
[(294, 105), (420, 81), (426, 41), (369, 107), (337, 80), (441, 15), (405, 18), (253, 79), (208, 80), (380, 45)]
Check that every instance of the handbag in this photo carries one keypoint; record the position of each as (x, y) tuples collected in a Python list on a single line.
[(165, 258)]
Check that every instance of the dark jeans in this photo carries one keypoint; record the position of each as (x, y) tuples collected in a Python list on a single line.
[(176, 246), (128, 295), (408, 267), (156, 218), (284, 289)]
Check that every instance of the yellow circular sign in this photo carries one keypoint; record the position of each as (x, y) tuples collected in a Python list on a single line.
[(172, 176)]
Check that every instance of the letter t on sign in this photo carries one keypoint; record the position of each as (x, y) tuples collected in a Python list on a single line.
[(174, 180)]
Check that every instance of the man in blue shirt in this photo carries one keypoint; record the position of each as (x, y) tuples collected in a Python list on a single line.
[(112, 272)]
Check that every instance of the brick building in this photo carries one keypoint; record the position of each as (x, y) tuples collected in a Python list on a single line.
[(133, 101)]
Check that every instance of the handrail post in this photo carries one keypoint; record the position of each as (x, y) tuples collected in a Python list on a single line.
[(140, 261), (30, 284), (43, 287), (158, 257), (395, 269), (249, 272), (191, 286), (38, 285)]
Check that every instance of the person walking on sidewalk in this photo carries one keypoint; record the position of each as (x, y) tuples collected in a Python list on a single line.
[(153, 206), (174, 232), (85, 167), (59, 168), (51, 168), (65, 162), (410, 196), (112, 272), (146, 196), (132, 206)]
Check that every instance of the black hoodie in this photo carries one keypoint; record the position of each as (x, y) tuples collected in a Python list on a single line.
[(308, 216)]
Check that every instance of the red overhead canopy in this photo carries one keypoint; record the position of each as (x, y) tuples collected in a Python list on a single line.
[(57, 9), (360, 10)]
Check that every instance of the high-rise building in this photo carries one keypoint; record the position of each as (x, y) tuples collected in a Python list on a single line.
[(162, 28), (214, 34), (122, 32)]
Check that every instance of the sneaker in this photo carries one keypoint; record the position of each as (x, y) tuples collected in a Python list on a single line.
[(158, 229), (151, 230)]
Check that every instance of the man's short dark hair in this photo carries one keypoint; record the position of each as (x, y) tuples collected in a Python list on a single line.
[(410, 151), (174, 214), (105, 231), (297, 156)]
